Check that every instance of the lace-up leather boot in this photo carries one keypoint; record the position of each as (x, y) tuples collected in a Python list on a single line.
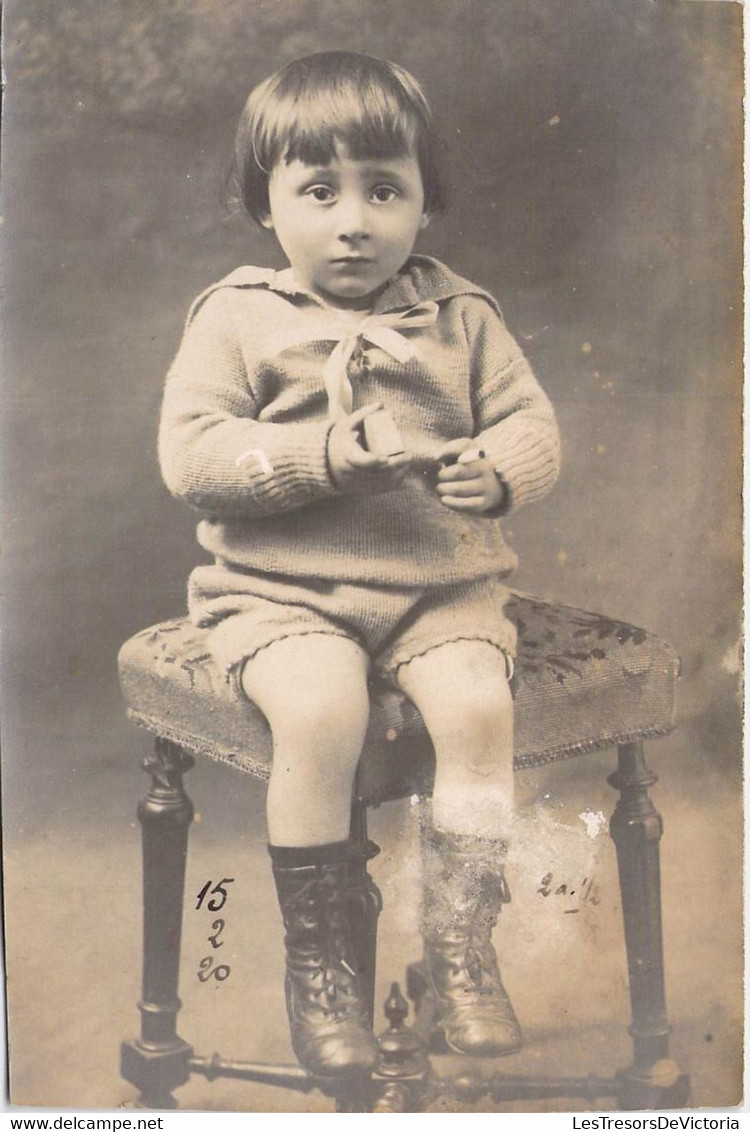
[(331, 1034), (464, 890)]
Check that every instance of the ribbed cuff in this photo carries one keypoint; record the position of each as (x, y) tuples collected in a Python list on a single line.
[(253, 468), (526, 457), (288, 465)]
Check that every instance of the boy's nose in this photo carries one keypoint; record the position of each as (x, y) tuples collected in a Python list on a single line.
[(352, 220)]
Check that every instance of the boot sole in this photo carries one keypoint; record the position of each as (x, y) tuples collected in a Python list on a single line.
[(504, 1051)]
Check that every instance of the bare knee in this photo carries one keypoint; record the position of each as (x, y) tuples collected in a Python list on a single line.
[(462, 693), (313, 692), (476, 714), (335, 720), (483, 711)]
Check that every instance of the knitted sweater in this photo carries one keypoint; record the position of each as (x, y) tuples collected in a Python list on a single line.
[(245, 424)]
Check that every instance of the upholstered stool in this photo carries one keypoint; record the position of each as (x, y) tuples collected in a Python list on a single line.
[(582, 682)]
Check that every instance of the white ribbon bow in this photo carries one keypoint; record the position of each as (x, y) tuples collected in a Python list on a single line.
[(380, 330)]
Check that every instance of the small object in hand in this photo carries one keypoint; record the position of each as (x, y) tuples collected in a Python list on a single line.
[(381, 436), (470, 455), (467, 457)]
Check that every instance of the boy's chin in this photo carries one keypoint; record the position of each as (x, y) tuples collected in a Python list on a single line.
[(351, 298), (353, 293)]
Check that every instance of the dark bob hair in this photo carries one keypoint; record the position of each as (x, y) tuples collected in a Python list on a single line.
[(372, 107)]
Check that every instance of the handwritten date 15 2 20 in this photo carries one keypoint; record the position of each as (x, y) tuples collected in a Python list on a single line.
[(218, 898)]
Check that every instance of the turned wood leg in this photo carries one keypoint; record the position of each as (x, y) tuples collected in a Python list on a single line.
[(636, 827), (157, 1062), (365, 905)]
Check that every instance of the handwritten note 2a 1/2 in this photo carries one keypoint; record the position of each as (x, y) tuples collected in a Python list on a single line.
[(575, 894), (213, 898)]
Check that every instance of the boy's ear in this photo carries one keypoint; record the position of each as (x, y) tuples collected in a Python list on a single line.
[(266, 221), (425, 220)]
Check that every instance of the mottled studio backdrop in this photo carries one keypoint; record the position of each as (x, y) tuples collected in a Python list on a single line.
[(593, 159)]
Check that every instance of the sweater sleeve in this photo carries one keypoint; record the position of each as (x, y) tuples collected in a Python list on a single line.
[(214, 452), (515, 420)]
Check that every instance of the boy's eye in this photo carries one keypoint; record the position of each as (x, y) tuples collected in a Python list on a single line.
[(321, 193), (382, 194)]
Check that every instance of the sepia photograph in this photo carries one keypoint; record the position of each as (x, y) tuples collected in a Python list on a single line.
[(371, 638)]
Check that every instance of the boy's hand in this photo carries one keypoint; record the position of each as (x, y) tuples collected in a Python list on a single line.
[(467, 480), (354, 470)]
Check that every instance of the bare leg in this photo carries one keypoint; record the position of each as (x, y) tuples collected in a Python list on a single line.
[(461, 691), (313, 691)]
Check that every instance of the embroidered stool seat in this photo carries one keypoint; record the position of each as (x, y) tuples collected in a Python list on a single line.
[(582, 682)]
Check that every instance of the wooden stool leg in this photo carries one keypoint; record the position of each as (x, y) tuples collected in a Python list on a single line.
[(157, 1062), (365, 904), (636, 827)]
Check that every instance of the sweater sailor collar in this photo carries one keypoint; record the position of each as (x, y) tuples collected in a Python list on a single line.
[(421, 278)]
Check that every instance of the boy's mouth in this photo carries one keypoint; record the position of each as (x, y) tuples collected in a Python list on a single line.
[(352, 259)]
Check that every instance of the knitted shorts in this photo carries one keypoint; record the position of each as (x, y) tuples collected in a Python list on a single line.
[(247, 611)]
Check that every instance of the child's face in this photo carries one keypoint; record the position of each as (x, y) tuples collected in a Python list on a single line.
[(347, 227)]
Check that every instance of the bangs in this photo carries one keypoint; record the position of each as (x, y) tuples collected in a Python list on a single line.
[(368, 123)]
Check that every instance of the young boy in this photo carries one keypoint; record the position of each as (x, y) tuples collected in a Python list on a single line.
[(332, 562)]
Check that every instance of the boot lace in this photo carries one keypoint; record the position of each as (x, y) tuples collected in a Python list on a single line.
[(338, 982), (478, 971), (478, 963)]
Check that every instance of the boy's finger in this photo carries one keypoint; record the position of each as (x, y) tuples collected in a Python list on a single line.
[(456, 503), (358, 457), (401, 460), (354, 419), (461, 489), (450, 473), (471, 456), (453, 449)]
